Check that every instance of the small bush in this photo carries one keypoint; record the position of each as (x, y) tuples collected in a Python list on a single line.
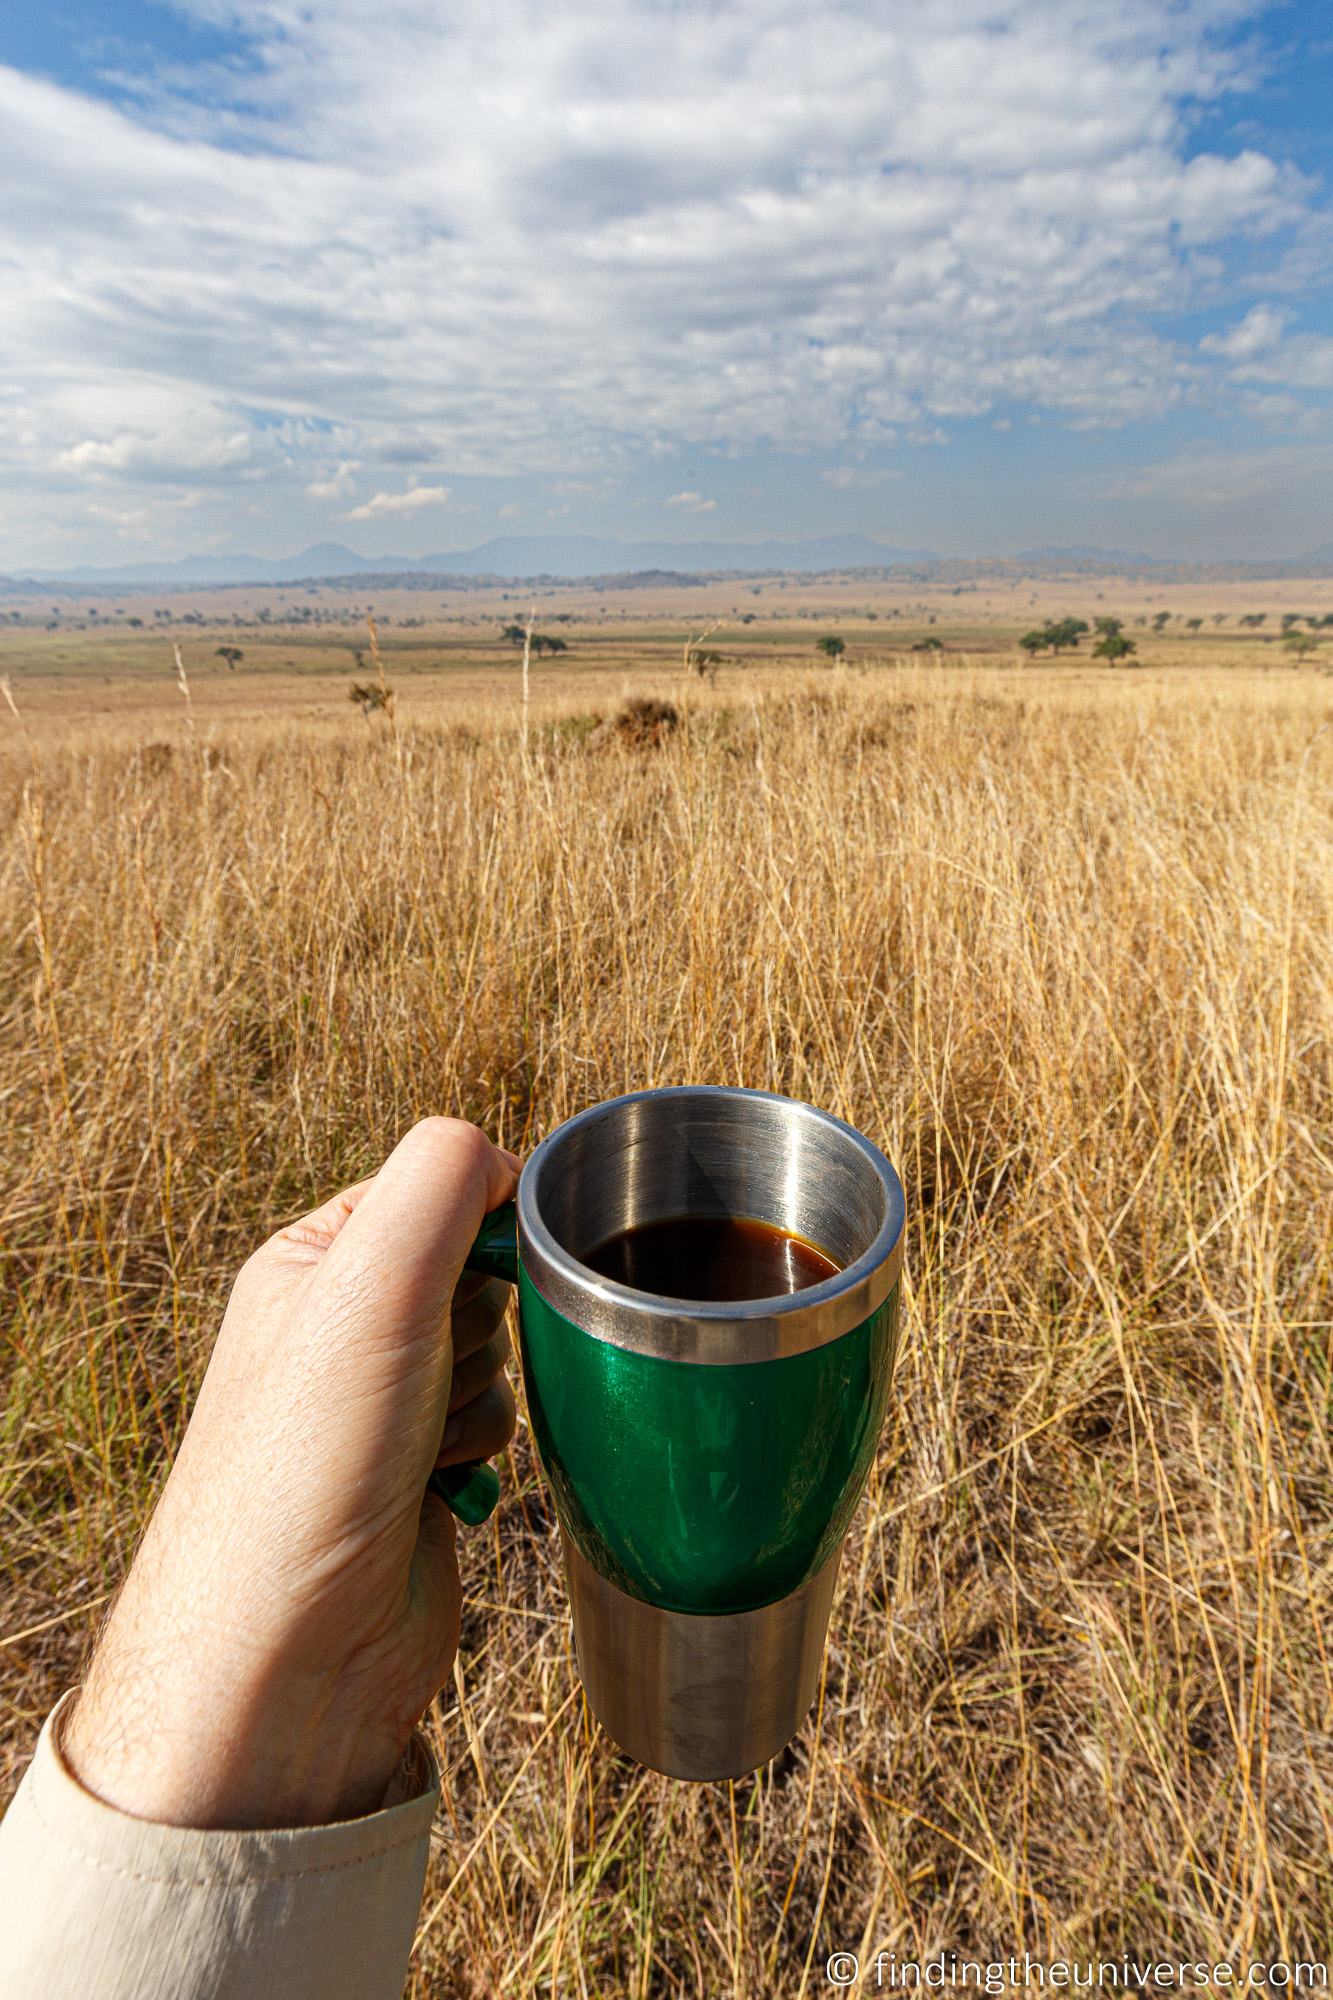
[(644, 722)]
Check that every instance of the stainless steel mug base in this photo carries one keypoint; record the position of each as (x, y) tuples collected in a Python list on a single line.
[(698, 1697)]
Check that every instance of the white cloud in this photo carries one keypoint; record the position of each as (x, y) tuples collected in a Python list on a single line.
[(691, 503), (411, 502), (509, 512), (1260, 330), (1263, 351), (335, 485), (652, 227), (147, 432)]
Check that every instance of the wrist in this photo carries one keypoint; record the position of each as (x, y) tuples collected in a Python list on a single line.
[(202, 1740)]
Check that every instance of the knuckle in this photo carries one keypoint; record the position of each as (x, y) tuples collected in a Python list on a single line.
[(258, 1267), (431, 1134)]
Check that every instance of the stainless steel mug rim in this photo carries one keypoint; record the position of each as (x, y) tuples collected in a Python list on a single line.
[(702, 1331)]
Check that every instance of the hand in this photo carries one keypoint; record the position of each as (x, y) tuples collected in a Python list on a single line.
[(295, 1604)]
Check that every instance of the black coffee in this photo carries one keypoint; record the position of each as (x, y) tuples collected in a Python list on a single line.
[(720, 1258)]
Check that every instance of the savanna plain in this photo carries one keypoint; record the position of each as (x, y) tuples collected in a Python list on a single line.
[(1053, 932)]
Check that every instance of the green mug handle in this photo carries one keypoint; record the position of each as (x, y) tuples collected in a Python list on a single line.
[(472, 1492)]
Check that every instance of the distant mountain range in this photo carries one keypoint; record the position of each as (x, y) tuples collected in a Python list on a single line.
[(513, 558), (510, 556), (1080, 558)]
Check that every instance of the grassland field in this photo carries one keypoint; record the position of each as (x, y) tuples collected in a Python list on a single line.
[(303, 645), (1055, 933)]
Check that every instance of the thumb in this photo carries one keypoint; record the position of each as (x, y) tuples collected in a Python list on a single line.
[(404, 1244)]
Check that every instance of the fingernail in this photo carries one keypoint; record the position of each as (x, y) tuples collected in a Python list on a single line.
[(453, 1430)]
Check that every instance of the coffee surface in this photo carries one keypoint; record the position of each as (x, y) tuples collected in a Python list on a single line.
[(715, 1258)]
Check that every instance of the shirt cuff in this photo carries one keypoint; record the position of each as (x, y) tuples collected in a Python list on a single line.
[(98, 1902), (99, 1831)]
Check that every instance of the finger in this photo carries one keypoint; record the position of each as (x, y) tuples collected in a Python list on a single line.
[(481, 1367), (470, 1286), (405, 1241), (475, 1322), (435, 1577), (483, 1427)]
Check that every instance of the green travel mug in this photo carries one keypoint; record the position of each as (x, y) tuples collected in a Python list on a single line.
[(705, 1459)]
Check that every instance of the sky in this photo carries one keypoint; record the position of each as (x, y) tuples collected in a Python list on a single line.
[(408, 274)]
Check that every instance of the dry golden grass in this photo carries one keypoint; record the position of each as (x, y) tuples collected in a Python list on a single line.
[(1060, 943)]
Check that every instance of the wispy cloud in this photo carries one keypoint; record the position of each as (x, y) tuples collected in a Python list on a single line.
[(1205, 477), (858, 478), (690, 502), (132, 524)]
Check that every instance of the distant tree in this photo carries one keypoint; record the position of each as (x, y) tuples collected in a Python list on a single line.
[(832, 647), (542, 644), (1035, 641), (1253, 619), (1115, 646), (1065, 632), (231, 654), (1299, 643), (1108, 627), (515, 634), (1194, 624), (135, 624), (1219, 618), (929, 646), (1290, 618), (1160, 621)]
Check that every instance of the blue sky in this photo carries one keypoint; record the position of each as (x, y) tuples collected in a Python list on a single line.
[(410, 275)]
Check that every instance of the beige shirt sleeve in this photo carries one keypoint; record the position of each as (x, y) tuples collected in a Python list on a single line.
[(95, 1905)]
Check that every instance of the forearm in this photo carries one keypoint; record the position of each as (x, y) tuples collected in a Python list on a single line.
[(219, 1821)]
